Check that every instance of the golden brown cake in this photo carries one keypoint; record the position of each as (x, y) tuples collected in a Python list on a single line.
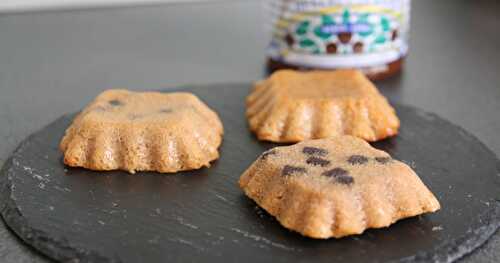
[(292, 106), (148, 131), (335, 187)]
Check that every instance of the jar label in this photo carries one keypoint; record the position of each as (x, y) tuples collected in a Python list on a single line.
[(355, 35)]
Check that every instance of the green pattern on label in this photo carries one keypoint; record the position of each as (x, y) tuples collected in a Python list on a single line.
[(305, 43), (380, 39), (363, 18), (346, 16), (302, 28), (327, 20), (385, 24), (319, 33), (344, 32)]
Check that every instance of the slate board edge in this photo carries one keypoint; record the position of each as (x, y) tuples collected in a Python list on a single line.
[(474, 238), (58, 249), (61, 250)]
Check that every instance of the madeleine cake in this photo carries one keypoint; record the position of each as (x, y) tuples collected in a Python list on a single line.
[(292, 106), (335, 187), (143, 131)]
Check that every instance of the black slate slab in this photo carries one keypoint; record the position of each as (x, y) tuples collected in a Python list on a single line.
[(202, 216)]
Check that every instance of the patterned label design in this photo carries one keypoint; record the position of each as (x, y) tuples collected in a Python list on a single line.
[(341, 36)]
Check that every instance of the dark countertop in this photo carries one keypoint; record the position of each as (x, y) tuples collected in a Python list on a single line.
[(52, 63)]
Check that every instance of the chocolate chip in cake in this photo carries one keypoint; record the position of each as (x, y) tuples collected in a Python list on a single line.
[(335, 172), (341, 175), (289, 169), (314, 151), (267, 153), (115, 102), (357, 159), (345, 179), (317, 161), (382, 160)]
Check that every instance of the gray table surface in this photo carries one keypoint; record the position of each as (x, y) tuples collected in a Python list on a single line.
[(52, 63)]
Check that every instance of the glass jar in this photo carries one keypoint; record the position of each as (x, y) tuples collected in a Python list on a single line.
[(370, 35)]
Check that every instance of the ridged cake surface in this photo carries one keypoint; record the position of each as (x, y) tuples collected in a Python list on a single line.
[(335, 187), (292, 106), (143, 131)]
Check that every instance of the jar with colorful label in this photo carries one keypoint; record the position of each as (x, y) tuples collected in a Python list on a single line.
[(330, 34)]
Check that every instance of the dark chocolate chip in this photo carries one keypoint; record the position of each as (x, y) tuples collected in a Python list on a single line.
[(345, 179), (289, 40), (331, 48), (382, 160), (317, 161), (358, 47), (166, 111), (288, 170), (115, 103), (357, 159), (267, 153), (314, 151), (341, 175), (344, 37), (335, 172)]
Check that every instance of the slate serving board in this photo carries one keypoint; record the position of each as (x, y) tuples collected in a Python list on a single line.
[(202, 216)]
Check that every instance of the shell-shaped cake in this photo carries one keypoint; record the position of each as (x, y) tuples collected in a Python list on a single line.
[(335, 187), (143, 131), (292, 106)]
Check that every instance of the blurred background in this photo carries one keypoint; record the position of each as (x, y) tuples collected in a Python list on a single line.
[(31, 5), (53, 63)]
